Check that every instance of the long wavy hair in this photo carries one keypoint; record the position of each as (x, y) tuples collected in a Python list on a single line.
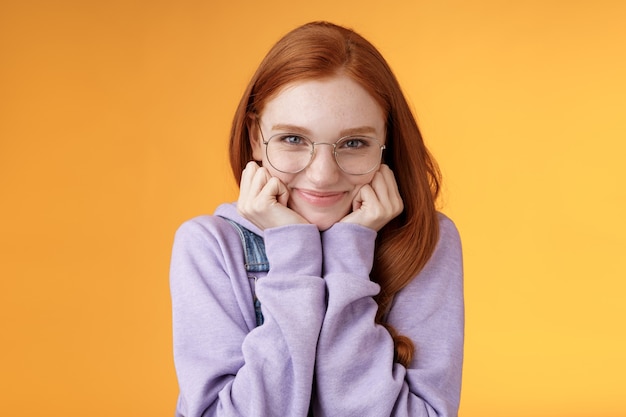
[(320, 50)]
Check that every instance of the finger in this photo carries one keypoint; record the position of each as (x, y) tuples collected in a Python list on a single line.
[(357, 201), (274, 189), (380, 188), (246, 176), (259, 180), (387, 190), (385, 180), (369, 201), (254, 179), (283, 195)]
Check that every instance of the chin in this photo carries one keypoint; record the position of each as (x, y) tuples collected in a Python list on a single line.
[(324, 224), (324, 227), (322, 217)]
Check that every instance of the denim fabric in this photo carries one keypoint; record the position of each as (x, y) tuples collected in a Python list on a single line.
[(255, 260)]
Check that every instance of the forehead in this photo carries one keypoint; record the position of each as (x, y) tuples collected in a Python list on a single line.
[(324, 106)]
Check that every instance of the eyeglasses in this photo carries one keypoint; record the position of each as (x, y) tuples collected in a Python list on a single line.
[(291, 153)]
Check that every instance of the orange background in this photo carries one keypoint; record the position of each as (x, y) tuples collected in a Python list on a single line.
[(114, 118)]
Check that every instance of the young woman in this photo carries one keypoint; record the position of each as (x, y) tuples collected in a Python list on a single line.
[(332, 287)]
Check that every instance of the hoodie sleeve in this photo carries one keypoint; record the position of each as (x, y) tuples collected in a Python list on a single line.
[(355, 370), (226, 366)]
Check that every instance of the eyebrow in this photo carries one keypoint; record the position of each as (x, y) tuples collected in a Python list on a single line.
[(304, 131)]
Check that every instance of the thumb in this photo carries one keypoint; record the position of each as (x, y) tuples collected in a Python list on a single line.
[(278, 190), (358, 199)]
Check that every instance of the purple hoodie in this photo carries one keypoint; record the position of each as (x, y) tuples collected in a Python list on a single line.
[(318, 347)]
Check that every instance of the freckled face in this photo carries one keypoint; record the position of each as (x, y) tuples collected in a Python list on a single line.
[(324, 111)]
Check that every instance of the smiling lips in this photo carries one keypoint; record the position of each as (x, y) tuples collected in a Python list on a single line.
[(320, 199)]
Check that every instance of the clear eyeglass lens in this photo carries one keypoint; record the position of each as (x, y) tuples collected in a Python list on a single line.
[(355, 155)]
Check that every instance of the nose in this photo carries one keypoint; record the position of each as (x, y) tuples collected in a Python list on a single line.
[(323, 169)]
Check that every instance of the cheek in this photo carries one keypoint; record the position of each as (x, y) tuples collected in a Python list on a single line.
[(356, 184), (284, 178), (360, 181)]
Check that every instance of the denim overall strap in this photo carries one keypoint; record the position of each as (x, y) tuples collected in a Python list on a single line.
[(255, 260)]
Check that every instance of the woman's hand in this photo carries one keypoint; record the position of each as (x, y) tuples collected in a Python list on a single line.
[(263, 199), (376, 203)]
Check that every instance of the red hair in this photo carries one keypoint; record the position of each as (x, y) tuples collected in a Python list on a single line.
[(320, 50)]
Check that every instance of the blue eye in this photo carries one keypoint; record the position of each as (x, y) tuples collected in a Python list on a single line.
[(355, 143), (292, 140)]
